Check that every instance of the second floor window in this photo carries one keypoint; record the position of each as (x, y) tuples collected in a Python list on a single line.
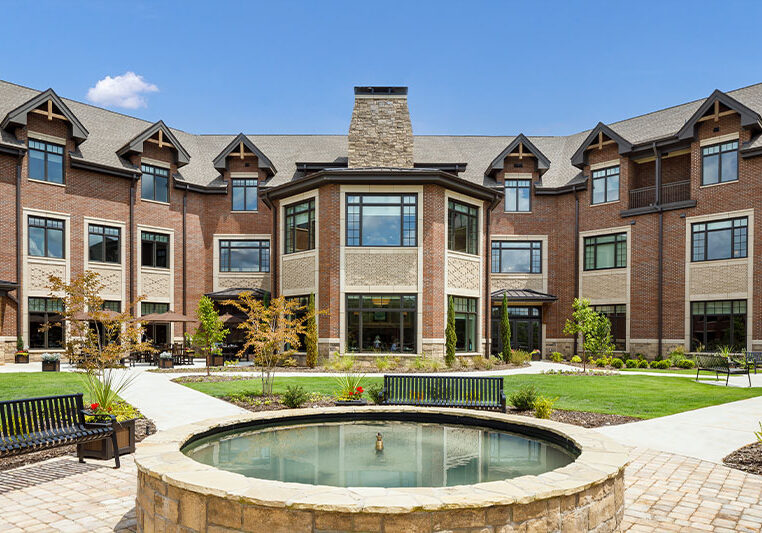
[(463, 224), (299, 224), (244, 194), (517, 196), (154, 183), (103, 243), (45, 161), (154, 250), (245, 256), (606, 251), (606, 185), (46, 237), (382, 220), (517, 256), (719, 163), (723, 239)]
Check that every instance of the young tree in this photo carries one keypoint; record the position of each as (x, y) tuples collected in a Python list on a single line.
[(268, 329), (211, 329), (450, 336), (594, 329), (311, 336), (505, 329)]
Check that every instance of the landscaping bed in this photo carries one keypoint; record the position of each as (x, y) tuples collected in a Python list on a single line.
[(584, 419), (748, 459)]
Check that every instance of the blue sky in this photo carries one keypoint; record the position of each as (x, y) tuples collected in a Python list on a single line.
[(492, 68)]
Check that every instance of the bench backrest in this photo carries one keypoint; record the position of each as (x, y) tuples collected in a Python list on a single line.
[(445, 391), (20, 419), (754, 356), (712, 361)]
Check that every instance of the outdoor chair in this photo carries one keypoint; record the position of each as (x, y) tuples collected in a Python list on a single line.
[(720, 365), (753, 360)]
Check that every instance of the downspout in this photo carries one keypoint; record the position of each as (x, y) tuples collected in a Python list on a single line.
[(576, 256), (660, 264), (19, 247), (488, 285), (185, 255), (274, 255), (132, 248)]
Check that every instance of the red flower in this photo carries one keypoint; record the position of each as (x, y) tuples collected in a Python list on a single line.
[(94, 406), (359, 390)]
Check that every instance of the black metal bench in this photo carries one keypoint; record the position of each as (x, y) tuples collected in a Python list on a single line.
[(34, 424), (720, 365), (445, 391), (753, 360)]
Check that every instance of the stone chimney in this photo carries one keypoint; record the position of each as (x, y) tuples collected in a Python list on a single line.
[(380, 134)]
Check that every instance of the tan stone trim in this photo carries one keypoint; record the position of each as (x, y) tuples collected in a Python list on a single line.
[(47, 182), (155, 163), (153, 201), (46, 138), (719, 139), (605, 164), (244, 175)]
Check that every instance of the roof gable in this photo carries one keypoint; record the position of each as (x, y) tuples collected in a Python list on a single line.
[(520, 142), (241, 142), (18, 116), (136, 143), (623, 145), (749, 117)]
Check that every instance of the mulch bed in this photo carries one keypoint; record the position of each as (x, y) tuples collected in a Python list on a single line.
[(143, 428), (211, 379), (748, 459), (581, 418), (359, 368)]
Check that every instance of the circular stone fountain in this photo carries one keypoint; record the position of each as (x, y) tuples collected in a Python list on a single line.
[(380, 469)]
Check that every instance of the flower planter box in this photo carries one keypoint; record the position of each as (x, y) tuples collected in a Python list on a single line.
[(22, 358), (103, 449), (216, 360), (350, 402), (51, 366), (166, 363)]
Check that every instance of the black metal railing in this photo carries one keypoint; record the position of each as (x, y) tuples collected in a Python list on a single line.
[(678, 191)]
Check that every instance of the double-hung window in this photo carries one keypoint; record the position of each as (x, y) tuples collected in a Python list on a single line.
[(382, 220), (244, 194), (722, 239), (606, 185), (606, 251), (46, 237), (245, 256), (463, 223), (45, 326), (299, 223), (45, 161), (719, 163), (103, 243), (154, 250), (517, 196), (154, 183), (517, 256)]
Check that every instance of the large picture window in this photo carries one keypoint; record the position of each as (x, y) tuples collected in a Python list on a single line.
[(517, 196), (303, 302), (154, 183), (46, 329), (103, 243), (463, 224), (617, 315), (718, 323), (299, 223), (606, 251), (381, 323), (245, 256), (719, 163), (46, 237), (382, 220), (723, 239), (606, 185), (517, 256), (244, 194), (45, 161), (154, 250), (465, 323)]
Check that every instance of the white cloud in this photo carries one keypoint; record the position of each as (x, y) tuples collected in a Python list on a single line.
[(125, 91)]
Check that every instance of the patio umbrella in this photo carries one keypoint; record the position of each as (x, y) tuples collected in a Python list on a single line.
[(168, 316), (231, 319), (107, 313)]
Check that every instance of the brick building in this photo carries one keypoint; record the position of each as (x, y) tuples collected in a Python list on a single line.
[(651, 218)]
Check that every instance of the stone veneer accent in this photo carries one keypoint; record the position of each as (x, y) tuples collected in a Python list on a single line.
[(605, 286), (367, 268), (380, 133), (517, 281), (719, 277), (462, 273), (178, 493)]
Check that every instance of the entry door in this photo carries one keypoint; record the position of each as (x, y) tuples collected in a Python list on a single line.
[(526, 329)]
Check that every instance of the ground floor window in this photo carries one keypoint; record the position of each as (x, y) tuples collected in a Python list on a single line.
[(108, 305), (526, 328), (381, 323), (303, 301), (617, 315), (45, 326), (465, 323), (719, 323), (155, 333)]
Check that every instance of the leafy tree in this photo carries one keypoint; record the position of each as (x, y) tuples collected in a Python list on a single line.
[(594, 329), (450, 336), (311, 337), (211, 329), (505, 329)]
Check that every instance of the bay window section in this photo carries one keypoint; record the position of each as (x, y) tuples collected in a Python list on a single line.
[(245, 256), (46, 237), (46, 329), (154, 250), (617, 315), (103, 243), (723, 239), (606, 251), (299, 224), (719, 163), (718, 323), (465, 323), (605, 185), (517, 256), (462, 223), (517, 196), (382, 220), (45, 161), (154, 183), (381, 323)]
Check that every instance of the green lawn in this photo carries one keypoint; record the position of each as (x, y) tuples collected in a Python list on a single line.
[(687, 371), (638, 396), (16, 385)]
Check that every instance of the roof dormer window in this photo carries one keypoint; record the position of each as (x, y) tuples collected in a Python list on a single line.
[(46, 161)]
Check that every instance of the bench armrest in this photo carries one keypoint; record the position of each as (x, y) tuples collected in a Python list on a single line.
[(108, 420)]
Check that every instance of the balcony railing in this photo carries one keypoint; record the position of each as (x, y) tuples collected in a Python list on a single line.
[(678, 191)]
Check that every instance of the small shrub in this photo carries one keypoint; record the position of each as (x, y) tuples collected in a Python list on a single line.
[(524, 398), (642, 363), (658, 358), (556, 357), (590, 360), (677, 355), (543, 407), (342, 363), (600, 363), (631, 363), (519, 357), (686, 363), (660, 365), (375, 394), (295, 396), (758, 434), (382, 363), (426, 364), (576, 359), (232, 362), (482, 363), (617, 363), (640, 356)]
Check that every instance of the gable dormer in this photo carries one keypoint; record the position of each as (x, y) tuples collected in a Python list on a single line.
[(715, 107), (600, 137), (49, 106), (242, 149), (520, 148), (160, 135)]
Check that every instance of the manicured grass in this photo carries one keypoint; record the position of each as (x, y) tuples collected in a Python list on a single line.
[(17, 385), (687, 371), (638, 396)]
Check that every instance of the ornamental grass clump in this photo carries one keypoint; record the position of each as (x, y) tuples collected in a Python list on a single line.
[(543, 407), (519, 357), (295, 396), (524, 398), (349, 387)]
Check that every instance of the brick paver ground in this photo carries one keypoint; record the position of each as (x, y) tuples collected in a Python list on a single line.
[(665, 492)]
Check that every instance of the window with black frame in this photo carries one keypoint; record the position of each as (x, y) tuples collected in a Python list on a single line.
[(154, 250), (617, 315), (517, 256), (605, 185), (381, 323), (46, 329), (108, 305), (46, 237), (244, 194), (103, 243), (154, 183), (606, 251), (303, 302), (156, 333), (517, 196), (719, 163), (299, 224), (46, 161), (245, 256), (718, 323), (721, 239), (382, 220), (462, 224), (465, 323)]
